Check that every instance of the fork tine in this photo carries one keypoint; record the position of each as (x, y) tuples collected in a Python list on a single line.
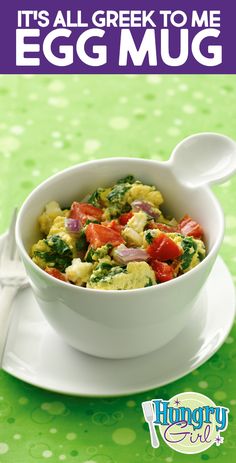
[(9, 246)]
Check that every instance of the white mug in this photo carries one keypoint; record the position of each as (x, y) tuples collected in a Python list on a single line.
[(129, 323)]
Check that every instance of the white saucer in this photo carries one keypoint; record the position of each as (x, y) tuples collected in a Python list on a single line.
[(36, 354)]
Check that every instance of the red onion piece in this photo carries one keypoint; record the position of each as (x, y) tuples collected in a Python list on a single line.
[(73, 225), (144, 206), (124, 255)]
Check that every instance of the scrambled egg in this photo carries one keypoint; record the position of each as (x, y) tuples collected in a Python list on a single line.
[(194, 251), (138, 221), (52, 210), (135, 275), (197, 252), (171, 222), (97, 254), (58, 228), (103, 195), (132, 237), (79, 272), (73, 254), (176, 237), (41, 247), (133, 232), (44, 252), (145, 193), (149, 235), (111, 212), (201, 248)]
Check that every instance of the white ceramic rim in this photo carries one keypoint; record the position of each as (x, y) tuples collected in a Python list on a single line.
[(160, 287), (175, 377)]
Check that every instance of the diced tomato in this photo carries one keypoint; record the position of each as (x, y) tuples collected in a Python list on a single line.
[(163, 248), (114, 225), (163, 271), (124, 218), (54, 272), (85, 211), (190, 227), (98, 235), (89, 209), (163, 227)]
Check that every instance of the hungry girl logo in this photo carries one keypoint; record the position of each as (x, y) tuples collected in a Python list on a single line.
[(188, 423)]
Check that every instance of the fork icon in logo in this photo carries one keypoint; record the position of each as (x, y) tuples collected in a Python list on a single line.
[(149, 418)]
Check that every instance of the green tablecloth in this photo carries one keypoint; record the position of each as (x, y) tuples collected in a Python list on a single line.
[(46, 124)]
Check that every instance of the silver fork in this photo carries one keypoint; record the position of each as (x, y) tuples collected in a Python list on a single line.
[(12, 278), (148, 415)]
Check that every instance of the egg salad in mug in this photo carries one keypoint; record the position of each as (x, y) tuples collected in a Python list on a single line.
[(118, 239)]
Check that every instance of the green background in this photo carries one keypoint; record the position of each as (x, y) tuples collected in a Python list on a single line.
[(46, 124)]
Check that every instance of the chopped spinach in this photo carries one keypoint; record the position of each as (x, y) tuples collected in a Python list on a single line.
[(96, 254), (149, 283), (115, 196), (149, 237), (128, 179), (95, 198), (81, 242), (201, 256), (117, 193), (189, 247), (88, 221), (59, 254), (105, 271), (113, 212), (57, 244), (105, 266), (89, 255), (125, 208)]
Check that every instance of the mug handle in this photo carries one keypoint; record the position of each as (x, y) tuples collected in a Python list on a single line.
[(204, 159)]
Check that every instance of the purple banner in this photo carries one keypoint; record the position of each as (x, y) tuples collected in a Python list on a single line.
[(116, 37)]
